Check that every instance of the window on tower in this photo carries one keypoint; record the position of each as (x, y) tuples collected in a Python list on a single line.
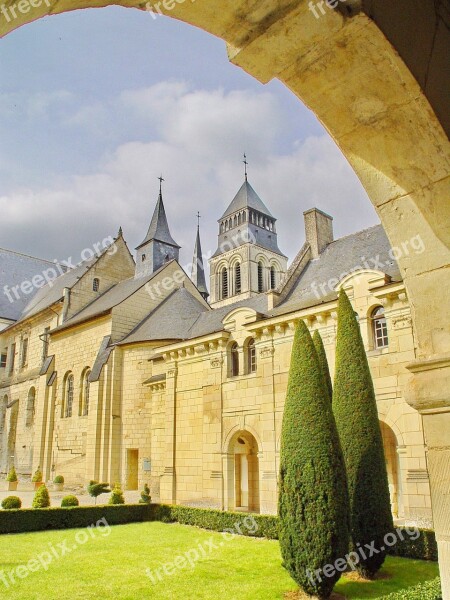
[(260, 278), (96, 284), (224, 283), (237, 279), (273, 278)]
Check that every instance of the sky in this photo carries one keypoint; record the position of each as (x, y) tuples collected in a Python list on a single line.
[(95, 105)]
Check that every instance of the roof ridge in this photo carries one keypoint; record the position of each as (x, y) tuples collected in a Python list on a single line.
[(50, 262), (354, 233)]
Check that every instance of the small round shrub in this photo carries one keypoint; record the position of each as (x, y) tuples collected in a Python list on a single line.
[(145, 496), (12, 475), (117, 495), (41, 498), (11, 502), (58, 479), (70, 501), (37, 477)]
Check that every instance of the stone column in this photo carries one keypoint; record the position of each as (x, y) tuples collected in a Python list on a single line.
[(168, 480), (429, 393)]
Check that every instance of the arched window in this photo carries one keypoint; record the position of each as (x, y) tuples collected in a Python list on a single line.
[(29, 420), (239, 218), (234, 352), (273, 278), (379, 328), (237, 279), (251, 356), (143, 257), (260, 278), (85, 394), (96, 283), (224, 283), (68, 397), (235, 220)]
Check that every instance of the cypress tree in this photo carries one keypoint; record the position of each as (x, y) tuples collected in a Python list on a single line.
[(313, 501), (356, 414), (321, 355)]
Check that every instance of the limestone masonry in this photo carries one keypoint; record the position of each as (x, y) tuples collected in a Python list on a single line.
[(122, 371)]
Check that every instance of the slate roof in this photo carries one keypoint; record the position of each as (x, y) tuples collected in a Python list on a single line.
[(110, 298), (365, 249), (159, 227), (182, 317), (16, 268), (171, 320), (246, 198)]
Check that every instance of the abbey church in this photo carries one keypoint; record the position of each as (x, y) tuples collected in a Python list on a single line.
[(127, 368)]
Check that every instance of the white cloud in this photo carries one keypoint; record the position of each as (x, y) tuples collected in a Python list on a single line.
[(202, 136)]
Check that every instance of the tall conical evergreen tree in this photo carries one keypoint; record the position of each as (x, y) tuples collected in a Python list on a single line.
[(313, 498), (356, 414), (321, 355)]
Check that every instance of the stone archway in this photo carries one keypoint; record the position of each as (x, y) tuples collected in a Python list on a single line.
[(384, 100), (243, 473), (393, 468)]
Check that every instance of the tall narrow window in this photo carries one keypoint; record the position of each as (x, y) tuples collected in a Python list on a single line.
[(96, 284), (237, 279), (260, 278), (45, 343), (68, 399), (224, 283), (379, 328), (24, 353), (30, 407), (85, 411), (234, 360), (12, 359), (3, 360), (251, 356), (273, 278)]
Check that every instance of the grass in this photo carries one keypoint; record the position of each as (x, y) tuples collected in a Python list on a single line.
[(114, 566)]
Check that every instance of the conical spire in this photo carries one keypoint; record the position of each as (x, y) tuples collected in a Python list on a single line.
[(158, 246), (159, 227), (198, 271)]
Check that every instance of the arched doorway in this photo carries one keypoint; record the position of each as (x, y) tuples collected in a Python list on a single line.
[(390, 445), (243, 469)]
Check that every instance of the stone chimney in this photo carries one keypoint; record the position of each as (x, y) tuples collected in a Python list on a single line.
[(318, 229)]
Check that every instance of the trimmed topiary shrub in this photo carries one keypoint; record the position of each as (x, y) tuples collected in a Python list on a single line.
[(70, 500), (356, 414), (12, 475), (117, 495), (145, 496), (59, 479), (95, 489), (11, 502), (37, 477), (323, 362), (430, 590), (313, 502), (41, 498)]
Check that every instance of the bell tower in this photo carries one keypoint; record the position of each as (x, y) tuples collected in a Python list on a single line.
[(247, 261)]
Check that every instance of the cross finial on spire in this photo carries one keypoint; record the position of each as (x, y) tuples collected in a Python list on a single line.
[(198, 220), (246, 165), (161, 179)]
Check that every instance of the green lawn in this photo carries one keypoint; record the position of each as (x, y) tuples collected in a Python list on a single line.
[(114, 566)]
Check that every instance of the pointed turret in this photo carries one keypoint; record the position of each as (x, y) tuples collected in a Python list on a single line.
[(158, 246), (198, 270)]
